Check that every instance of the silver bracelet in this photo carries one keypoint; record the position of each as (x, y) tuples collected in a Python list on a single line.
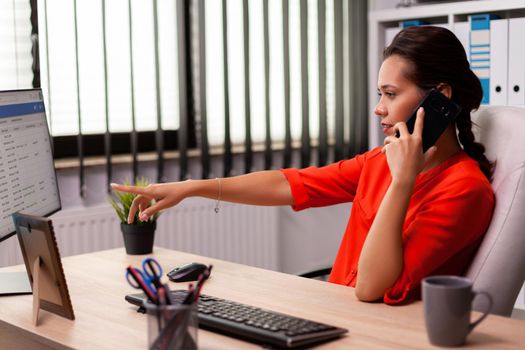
[(216, 209)]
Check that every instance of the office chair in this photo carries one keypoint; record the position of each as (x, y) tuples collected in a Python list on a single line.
[(499, 265)]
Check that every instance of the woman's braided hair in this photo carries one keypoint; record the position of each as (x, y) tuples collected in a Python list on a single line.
[(437, 56)]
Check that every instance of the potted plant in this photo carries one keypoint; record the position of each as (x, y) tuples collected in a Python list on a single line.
[(139, 235)]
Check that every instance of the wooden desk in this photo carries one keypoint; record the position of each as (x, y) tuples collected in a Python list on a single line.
[(105, 321)]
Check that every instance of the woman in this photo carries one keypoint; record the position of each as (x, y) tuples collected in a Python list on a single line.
[(413, 214)]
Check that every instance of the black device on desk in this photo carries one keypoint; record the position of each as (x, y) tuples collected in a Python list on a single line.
[(186, 273), (252, 323)]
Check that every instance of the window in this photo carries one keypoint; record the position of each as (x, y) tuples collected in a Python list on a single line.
[(87, 55), (301, 32), (129, 76), (15, 52)]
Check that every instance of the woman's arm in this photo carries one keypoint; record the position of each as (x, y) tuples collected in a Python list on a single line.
[(381, 259), (258, 188)]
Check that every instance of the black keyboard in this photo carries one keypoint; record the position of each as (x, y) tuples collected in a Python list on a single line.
[(252, 323)]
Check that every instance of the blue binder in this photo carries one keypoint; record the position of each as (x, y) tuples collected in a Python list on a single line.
[(479, 42), (412, 23)]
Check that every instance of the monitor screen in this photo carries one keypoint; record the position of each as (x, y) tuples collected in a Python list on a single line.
[(28, 181)]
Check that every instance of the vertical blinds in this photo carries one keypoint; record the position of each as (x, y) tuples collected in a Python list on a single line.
[(275, 72), (15, 52), (236, 75), (96, 54)]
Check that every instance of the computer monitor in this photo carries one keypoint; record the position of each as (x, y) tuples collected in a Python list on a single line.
[(28, 181)]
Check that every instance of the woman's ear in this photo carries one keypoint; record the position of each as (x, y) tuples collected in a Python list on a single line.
[(445, 89)]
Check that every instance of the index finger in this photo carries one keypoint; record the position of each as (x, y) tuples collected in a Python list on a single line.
[(130, 189), (418, 125), (401, 129), (134, 207)]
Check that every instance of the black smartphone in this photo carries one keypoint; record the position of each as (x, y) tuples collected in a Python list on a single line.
[(440, 111)]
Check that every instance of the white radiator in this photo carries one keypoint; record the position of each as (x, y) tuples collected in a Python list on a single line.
[(244, 234)]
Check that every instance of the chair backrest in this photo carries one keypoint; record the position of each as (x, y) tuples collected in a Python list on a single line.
[(499, 266)]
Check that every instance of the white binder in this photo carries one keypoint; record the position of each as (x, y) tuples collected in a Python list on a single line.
[(516, 74), (499, 29), (390, 33), (462, 31)]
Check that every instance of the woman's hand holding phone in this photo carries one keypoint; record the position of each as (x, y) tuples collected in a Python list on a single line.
[(405, 154)]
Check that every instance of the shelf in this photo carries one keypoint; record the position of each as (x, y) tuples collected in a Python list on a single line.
[(446, 9), (443, 13)]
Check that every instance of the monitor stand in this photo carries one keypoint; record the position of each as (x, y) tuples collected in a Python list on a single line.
[(14, 283)]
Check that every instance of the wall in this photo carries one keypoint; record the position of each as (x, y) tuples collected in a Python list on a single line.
[(310, 238), (374, 5)]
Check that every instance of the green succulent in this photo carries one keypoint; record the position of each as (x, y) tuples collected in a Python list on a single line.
[(121, 202)]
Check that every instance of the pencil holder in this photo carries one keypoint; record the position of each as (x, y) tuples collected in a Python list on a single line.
[(172, 327)]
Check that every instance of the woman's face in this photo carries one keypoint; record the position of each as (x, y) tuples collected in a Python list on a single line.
[(398, 96)]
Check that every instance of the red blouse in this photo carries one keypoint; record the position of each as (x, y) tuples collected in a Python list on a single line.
[(448, 214)]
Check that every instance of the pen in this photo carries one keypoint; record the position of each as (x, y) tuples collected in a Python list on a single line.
[(189, 296), (161, 312), (195, 293), (169, 296), (199, 285), (161, 294)]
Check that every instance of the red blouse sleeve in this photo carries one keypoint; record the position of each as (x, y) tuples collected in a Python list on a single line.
[(441, 230), (332, 184)]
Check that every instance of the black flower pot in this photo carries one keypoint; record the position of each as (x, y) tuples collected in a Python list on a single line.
[(138, 239)]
